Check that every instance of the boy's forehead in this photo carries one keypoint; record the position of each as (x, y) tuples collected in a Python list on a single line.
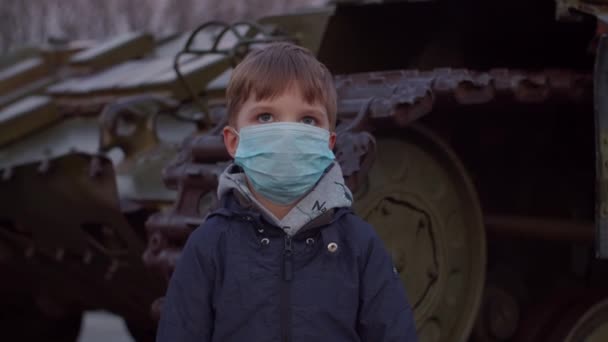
[(293, 91)]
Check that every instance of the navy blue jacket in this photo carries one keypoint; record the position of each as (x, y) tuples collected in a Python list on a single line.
[(242, 279)]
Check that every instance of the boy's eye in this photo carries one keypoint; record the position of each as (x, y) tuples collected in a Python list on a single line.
[(265, 117), (309, 120)]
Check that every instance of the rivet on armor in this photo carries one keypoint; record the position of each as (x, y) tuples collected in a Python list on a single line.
[(265, 241), (193, 222), (95, 167), (193, 172), (7, 174), (44, 166), (112, 270), (59, 254), (332, 247), (87, 257), (310, 241), (29, 252)]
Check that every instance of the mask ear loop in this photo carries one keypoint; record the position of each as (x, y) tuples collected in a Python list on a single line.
[(234, 131), (237, 134)]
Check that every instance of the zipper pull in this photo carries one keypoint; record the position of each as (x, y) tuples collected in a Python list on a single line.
[(287, 257)]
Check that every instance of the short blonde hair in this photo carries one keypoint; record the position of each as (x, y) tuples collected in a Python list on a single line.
[(269, 71)]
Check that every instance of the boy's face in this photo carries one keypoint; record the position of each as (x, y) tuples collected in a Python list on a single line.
[(287, 107)]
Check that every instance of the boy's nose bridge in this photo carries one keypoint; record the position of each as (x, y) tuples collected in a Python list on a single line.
[(288, 116)]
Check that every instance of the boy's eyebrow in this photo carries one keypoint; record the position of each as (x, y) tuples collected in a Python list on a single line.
[(262, 108), (312, 112), (266, 108)]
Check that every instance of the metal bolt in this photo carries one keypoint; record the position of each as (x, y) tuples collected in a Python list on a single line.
[(5, 252), (29, 252), (59, 254), (265, 241), (7, 174), (87, 257), (107, 231), (114, 266), (421, 225), (502, 314), (112, 269), (95, 169), (44, 166), (193, 222), (155, 242), (384, 210), (193, 172), (20, 228), (332, 247), (376, 79)]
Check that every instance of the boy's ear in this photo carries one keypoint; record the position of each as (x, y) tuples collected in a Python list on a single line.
[(231, 140), (332, 140)]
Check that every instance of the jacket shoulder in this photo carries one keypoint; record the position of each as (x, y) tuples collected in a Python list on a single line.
[(355, 227), (207, 236), (360, 234)]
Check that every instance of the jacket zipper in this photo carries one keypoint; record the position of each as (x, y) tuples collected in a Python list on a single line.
[(285, 290), (288, 267)]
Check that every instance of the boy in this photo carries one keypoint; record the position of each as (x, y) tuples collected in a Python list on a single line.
[(284, 258)]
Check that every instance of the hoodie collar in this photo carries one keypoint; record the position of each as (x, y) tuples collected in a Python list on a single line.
[(315, 209)]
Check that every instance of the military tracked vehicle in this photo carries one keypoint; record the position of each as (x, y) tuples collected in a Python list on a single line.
[(472, 134)]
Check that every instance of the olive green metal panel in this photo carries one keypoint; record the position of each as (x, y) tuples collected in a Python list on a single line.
[(601, 126), (148, 133), (36, 87), (119, 49), (202, 40), (18, 55), (64, 215), (30, 71), (307, 27), (78, 133), (107, 79), (148, 75), (423, 205), (600, 334), (22, 73), (26, 116), (197, 72), (216, 89), (569, 10), (140, 179)]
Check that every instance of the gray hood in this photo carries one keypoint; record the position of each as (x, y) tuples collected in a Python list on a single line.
[(329, 193)]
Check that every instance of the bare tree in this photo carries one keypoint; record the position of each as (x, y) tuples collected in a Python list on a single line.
[(139, 14), (25, 22)]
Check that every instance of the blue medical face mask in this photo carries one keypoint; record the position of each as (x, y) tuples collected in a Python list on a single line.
[(283, 160)]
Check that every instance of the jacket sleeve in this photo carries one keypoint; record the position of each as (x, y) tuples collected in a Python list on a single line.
[(385, 314), (187, 314)]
